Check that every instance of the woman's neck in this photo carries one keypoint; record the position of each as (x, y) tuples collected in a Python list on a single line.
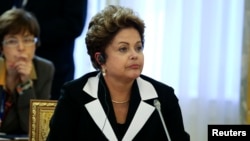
[(119, 90)]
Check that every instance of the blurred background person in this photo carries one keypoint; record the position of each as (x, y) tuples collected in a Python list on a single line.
[(116, 102), (61, 22), (23, 76)]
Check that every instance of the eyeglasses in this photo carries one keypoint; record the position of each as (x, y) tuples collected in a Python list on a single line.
[(13, 42)]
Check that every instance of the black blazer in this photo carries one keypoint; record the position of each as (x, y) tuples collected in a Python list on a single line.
[(82, 108)]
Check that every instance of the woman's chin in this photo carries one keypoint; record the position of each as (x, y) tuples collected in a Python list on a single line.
[(135, 75)]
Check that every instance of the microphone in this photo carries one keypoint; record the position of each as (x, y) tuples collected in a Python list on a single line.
[(157, 105)]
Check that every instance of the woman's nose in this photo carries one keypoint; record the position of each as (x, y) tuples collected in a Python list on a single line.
[(20, 45), (134, 55)]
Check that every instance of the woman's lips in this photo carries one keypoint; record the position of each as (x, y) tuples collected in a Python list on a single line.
[(134, 66)]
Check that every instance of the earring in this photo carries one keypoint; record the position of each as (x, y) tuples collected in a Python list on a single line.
[(103, 71)]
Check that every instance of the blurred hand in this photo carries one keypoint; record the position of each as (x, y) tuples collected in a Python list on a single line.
[(23, 67)]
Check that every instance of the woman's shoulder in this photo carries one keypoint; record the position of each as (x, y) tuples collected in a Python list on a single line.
[(43, 66), (81, 81), (74, 88), (156, 83), (163, 90), (42, 62)]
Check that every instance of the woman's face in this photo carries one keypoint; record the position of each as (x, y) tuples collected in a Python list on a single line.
[(125, 57), (19, 47)]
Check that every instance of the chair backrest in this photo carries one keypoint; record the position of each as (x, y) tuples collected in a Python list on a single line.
[(40, 115)]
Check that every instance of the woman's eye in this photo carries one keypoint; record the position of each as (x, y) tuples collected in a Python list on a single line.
[(123, 49), (12, 41), (140, 48)]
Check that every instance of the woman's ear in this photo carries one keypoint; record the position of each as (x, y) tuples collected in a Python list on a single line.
[(99, 58)]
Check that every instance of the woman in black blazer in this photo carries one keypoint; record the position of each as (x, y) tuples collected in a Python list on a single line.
[(116, 103)]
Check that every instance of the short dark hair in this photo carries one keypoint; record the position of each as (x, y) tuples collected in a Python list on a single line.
[(18, 20), (106, 24)]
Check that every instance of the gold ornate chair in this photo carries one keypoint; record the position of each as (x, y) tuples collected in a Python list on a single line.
[(40, 115)]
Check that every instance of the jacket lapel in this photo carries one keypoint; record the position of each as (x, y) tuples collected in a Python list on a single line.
[(96, 110), (144, 110), (97, 113), (142, 114)]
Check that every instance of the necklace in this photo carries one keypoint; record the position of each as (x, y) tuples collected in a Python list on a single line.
[(119, 102)]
